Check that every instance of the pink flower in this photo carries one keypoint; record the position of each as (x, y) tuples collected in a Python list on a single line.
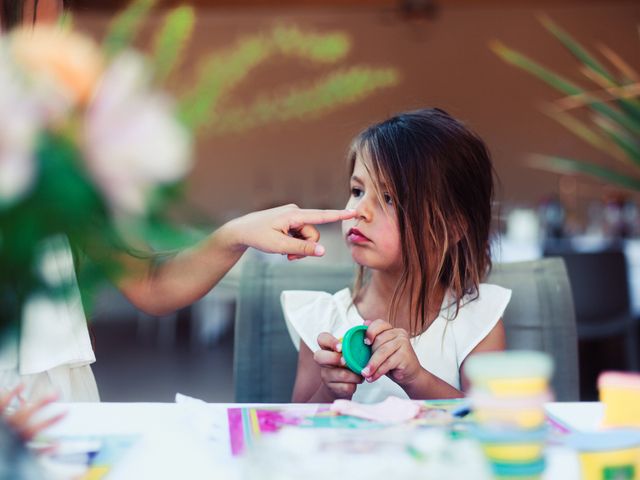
[(19, 123), (132, 138)]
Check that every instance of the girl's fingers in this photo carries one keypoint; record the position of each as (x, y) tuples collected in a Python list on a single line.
[(376, 328), (326, 341), (24, 413), (342, 390), (31, 431), (384, 337), (325, 358), (379, 357), (385, 367), (341, 375), (317, 217)]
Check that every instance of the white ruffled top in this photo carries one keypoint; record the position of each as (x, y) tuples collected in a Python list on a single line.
[(441, 349), (54, 331)]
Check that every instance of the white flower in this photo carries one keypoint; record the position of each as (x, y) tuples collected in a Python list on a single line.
[(133, 141), (19, 123)]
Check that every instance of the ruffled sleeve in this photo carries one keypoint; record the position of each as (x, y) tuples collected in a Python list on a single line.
[(478, 317), (309, 313)]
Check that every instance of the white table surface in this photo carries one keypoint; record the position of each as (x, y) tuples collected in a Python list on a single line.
[(171, 441)]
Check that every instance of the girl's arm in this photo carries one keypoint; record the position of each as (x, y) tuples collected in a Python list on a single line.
[(186, 277), (430, 386), (495, 341), (394, 355)]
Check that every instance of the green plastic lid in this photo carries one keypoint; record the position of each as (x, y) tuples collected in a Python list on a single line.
[(355, 352)]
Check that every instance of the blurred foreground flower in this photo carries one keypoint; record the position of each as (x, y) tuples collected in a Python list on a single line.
[(132, 139), (90, 140)]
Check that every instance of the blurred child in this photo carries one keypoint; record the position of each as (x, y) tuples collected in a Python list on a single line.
[(422, 187)]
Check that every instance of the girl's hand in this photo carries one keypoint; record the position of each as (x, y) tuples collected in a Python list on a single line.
[(288, 230), (23, 420), (337, 380), (392, 355)]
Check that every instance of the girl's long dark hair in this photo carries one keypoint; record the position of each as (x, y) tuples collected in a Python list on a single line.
[(440, 177), (12, 13)]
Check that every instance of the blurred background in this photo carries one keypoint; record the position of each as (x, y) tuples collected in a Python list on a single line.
[(389, 56)]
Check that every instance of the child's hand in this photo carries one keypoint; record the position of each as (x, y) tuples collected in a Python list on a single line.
[(392, 355), (338, 381), (23, 420)]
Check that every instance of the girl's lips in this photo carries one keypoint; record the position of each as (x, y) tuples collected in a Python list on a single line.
[(355, 236)]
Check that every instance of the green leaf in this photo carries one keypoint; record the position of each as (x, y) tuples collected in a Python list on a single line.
[(126, 25), (572, 166), (217, 75), (317, 47), (576, 48), (561, 84), (628, 144), (337, 89), (586, 133), (171, 40)]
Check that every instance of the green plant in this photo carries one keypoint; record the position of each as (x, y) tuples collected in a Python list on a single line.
[(611, 101), (93, 150)]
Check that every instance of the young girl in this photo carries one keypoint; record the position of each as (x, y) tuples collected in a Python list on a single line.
[(422, 187)]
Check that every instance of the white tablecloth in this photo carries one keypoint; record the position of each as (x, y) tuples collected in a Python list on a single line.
[(172, 441)]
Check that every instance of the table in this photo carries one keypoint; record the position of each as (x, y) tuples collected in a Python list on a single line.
[(191, 440)]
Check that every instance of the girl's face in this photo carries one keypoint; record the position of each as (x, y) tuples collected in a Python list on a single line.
[(373, 235)]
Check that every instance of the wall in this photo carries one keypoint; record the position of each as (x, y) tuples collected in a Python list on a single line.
[(444, 62)]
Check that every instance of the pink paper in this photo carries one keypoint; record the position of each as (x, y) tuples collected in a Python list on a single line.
[(391, 410)]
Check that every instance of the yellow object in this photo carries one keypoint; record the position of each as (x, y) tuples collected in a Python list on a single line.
[(620, 394), (527, 418), (513, 452), (611, 464), (502, 387), (95, 473)]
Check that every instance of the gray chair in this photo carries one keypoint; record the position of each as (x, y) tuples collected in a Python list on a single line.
[(540, 316), (600, 287)]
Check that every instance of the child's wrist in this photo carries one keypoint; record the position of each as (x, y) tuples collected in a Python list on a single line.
[(413, 385), (229, 236)]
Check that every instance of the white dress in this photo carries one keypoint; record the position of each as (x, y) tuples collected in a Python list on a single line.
[(441, 349), (53, 350)]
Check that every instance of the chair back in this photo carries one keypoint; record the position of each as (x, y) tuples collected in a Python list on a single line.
[(540, 316)]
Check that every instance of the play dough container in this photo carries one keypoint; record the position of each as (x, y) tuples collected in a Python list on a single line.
[(509, 412), (607, 455), (513, 453), (354, 351), (511, 373), (620, 394)]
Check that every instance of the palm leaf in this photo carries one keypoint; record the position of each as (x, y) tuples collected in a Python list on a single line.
[(171, 40), (576, 48), (125, 25), (627, 72), (627, 143), (561, 84), (573, 167), (586, 133), (629, 105)]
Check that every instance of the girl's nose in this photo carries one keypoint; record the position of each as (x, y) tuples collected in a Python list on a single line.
[(363, 209)]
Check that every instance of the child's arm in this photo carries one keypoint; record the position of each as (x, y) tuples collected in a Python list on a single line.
[(394, 356), (322, 377), (186, 277)]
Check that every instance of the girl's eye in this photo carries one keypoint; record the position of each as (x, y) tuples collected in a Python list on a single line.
[(356, 192), (387, 199)]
